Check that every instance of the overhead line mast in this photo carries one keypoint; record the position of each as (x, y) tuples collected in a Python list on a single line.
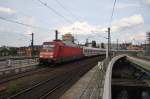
[(109, 30), (32, 44)]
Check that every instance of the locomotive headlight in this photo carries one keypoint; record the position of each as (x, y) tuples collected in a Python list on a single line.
[(51, 56), (41, 56)]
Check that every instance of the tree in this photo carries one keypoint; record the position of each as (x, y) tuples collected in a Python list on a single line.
[(4, 51), (12, 51)]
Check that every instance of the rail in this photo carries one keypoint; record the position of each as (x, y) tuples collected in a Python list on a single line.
[(45, 88), (142, 63)]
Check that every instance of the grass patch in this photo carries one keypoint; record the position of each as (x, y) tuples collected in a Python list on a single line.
[(12, 88)]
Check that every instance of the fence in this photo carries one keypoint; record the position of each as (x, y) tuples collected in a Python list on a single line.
[(13, 66), (16, 63)]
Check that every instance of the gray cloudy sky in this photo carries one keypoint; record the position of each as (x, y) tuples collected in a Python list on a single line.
[(82, 17)]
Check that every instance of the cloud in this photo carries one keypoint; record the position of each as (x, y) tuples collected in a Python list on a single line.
[(82, 28), (131, 24), (126, 5), (25, 20), (127, 23), (146, 2), (30, 21), (85, 28), (7, 10), (4, 30), (137, 36)]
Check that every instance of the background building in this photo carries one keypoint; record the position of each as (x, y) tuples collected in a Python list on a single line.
[(147, 47), (68, 38)]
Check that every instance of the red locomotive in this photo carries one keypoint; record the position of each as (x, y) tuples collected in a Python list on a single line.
[(60, 50), (64, 50), (57, 51)]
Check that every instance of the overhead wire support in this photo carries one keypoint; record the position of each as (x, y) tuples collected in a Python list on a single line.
[(32, 44), (67, 10), (54, 11), (109, 30)]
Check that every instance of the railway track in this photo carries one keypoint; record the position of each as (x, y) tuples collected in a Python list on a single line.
[(5, 79), (54, 89), (58, 83), (40, 87), (143, 58)]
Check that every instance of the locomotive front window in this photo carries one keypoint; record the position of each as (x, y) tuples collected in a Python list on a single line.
[(48, 47)]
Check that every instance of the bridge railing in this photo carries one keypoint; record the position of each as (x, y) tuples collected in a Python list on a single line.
[(94, 90)]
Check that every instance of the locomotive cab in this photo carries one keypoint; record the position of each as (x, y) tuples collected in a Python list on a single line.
[(50, 51), (47, 52), (59, 52)]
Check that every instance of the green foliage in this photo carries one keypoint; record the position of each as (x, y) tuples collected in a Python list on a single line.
[(4, 51), (12, 88), (12, 51)]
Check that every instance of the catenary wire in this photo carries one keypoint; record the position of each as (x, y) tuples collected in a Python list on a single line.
[(111, 17), (20, 23), (54, 11), (61, 5)]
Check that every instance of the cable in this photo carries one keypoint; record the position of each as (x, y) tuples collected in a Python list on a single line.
[(17, 33), (41, 20), (54, 11), (20, 23), (67, 9), (112, 12)]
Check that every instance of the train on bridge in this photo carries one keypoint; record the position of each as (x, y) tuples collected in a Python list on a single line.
[(58, 51)]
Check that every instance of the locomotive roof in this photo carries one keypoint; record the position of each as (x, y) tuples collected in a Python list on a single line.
[(47, 43), (91, 48), (62, 42), (51, 42)]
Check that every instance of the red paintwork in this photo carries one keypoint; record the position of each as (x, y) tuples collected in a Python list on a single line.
[(60, 51)]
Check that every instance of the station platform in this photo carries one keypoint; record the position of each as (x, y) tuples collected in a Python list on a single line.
[(80, 86)]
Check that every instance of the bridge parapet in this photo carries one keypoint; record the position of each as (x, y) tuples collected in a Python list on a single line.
[(94, 90), (141, 67), (107, 80)]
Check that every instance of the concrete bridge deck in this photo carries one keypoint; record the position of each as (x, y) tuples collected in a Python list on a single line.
[(98, 82)]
